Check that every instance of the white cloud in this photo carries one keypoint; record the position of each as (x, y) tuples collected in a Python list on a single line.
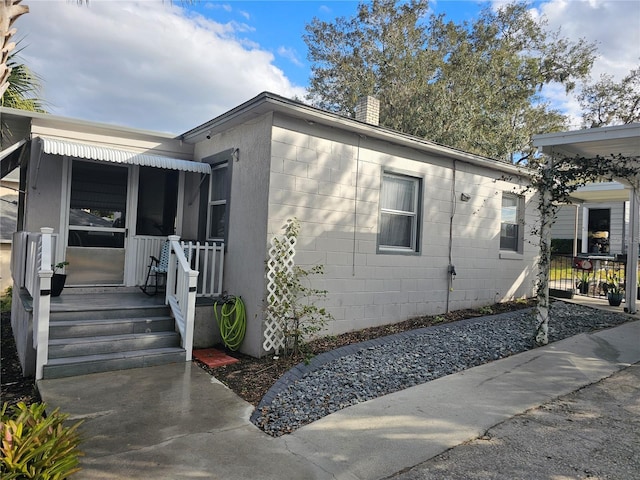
[(290, 54), (613, 25), (147, 65)]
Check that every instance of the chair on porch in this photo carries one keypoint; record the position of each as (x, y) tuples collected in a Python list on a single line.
[(157, 269)]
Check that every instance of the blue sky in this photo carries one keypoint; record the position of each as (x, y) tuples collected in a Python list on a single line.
[(166, 66), (279, 26)]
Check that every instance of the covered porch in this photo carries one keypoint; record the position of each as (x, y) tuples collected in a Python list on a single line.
[(92, 329), (588, 146)]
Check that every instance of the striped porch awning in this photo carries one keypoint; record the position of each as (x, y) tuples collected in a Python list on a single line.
[(56, 146)]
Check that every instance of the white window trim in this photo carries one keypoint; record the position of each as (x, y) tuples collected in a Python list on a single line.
[(516, 254), (415, 215), (212, 203)]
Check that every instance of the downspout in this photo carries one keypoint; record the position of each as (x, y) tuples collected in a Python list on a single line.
[(451, 269), (632, 253), (576, 221), (39, 151), (355, 211)]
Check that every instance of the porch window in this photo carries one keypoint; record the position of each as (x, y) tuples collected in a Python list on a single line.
[(157, 201), (510, 231), (399, 213)]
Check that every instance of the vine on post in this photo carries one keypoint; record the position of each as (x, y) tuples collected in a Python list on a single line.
[(555, 182), (290, 299)]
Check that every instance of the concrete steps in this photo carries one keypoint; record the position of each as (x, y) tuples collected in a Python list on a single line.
[(100, 338)]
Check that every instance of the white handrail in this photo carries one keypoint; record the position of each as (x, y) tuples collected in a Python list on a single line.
[(182, 283)]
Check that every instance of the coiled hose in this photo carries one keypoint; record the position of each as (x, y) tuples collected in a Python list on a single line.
[(232, 321)]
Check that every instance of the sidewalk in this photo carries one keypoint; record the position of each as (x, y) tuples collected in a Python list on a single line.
[(591, 433), (174, 421)]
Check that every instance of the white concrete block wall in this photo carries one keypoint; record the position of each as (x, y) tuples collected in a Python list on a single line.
[(315, 174), (246, 249)]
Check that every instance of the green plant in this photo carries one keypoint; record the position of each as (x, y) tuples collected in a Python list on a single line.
[(292, 302), (613, 284), (5, 300), (584, 276), (36, 445), (486, 310), (58, 266), (562, 246)]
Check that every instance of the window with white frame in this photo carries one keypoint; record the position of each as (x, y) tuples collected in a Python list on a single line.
[(511, 219), (217, 204), (215, 195), (399, 213)]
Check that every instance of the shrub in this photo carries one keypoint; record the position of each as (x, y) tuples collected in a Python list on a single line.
[(5, 300), (292, 300), (562, 246), (35, 445)]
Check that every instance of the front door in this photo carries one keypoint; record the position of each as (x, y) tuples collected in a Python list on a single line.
[(97, 224)]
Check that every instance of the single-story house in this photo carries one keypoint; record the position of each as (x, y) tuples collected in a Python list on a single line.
[(403, 226)]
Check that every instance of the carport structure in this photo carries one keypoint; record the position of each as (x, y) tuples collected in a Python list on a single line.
[(593, 145)]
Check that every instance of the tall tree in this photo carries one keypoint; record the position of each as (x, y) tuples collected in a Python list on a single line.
[(10, 10), (474, 86), (23, 89), (606, 102)]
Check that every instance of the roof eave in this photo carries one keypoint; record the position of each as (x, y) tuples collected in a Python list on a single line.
[(46, 118), (268, 102)]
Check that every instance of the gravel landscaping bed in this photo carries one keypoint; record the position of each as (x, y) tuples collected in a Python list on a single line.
[(367, 370)]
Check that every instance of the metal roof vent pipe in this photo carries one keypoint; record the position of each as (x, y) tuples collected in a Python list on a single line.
[(368, 110)]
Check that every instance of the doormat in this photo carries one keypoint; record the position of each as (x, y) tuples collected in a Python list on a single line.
[(212, 357)]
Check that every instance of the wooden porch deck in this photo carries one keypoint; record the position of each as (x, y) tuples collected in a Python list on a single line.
[(80, 299)]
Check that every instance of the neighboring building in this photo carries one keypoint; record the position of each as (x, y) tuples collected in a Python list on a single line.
[(9, 187), (390, 216)]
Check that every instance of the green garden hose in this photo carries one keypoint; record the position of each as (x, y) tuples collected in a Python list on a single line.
[(232, 321)]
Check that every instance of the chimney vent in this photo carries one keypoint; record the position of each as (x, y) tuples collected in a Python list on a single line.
[(368, 110)]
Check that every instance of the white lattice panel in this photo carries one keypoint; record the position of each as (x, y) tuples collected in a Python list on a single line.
[(280, 260)]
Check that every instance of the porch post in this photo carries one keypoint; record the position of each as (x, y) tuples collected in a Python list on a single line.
[(191, 314), (170, 287), (42, 304), (632, 252), (544, 264)]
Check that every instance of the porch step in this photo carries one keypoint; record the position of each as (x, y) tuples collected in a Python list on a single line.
[(100, 332), (92, 312), (72, 366), (105, 344), (118, 326)]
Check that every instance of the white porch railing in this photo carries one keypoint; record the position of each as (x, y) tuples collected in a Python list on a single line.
[(181, 293), (31, 260), (31, 268), (207, 258)]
